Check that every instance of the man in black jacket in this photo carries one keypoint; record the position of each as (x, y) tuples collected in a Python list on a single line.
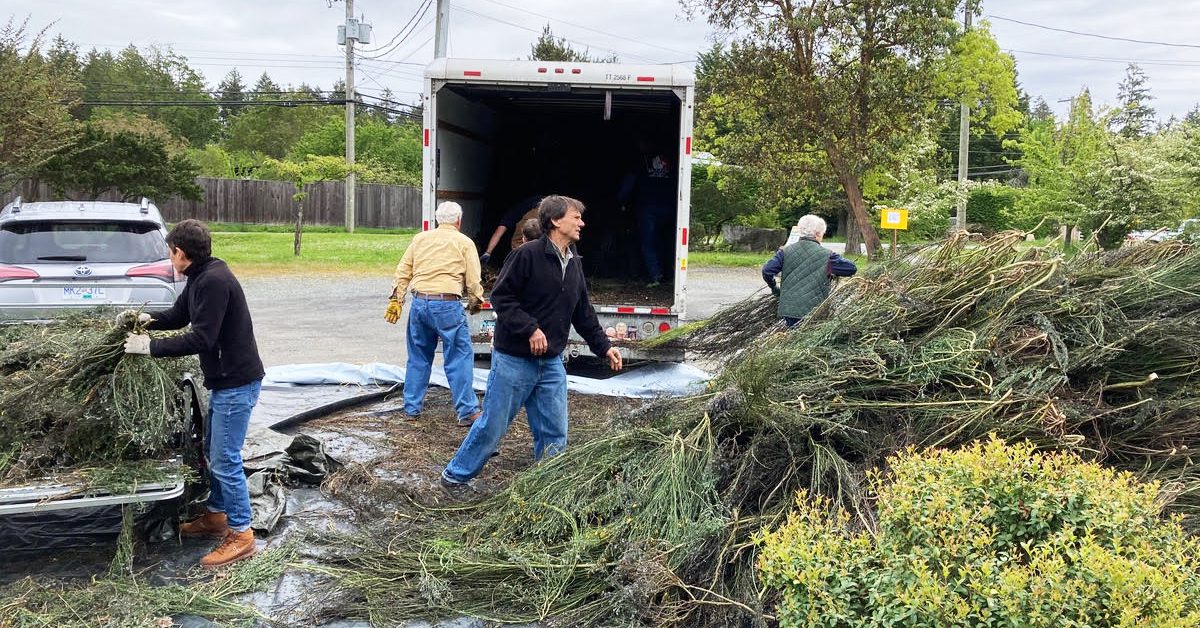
[(223, 336), (539, 295)]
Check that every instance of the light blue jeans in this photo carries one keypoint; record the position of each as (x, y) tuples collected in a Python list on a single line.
[(427, 322), (539, 384), (228, 418)]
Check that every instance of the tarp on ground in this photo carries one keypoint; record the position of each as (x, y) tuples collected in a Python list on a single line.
[(659, 379)]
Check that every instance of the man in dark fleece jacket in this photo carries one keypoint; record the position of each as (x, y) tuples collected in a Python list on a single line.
[(223, 336), (539, 295)]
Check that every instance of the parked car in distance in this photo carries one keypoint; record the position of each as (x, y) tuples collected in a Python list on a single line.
[(69, 255)]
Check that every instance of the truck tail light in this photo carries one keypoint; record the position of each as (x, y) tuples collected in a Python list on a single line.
[(664, 328), (159, 270), (17, 272)]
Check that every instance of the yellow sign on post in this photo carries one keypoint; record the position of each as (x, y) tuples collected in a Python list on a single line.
[(893, 218)]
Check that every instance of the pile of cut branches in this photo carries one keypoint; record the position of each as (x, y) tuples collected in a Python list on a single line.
[(70, 398), (656, 524)]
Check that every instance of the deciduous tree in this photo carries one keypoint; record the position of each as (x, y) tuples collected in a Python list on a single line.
[(35, 101), (830, 88)]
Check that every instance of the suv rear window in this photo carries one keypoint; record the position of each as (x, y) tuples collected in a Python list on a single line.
[(96, 242)]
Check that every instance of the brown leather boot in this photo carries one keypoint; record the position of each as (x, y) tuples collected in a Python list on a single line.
[(210, 524), (234, 547)]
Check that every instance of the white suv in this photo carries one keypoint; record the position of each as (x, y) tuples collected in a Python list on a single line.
[(69, 255)]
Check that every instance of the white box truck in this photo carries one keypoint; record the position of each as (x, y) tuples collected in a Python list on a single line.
[(497, 133)]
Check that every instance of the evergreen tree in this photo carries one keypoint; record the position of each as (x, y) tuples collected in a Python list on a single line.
[(231, 89), (1041, 111), (1136, 116), (265, 84), (1193, 116), (551, 48)]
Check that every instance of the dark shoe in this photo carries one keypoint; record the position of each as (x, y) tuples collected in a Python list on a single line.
[(467, 421), (210, 524), (411, 417), (234, 547), (457, 491)]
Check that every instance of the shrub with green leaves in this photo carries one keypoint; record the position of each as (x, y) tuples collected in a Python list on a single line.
[(989, 535)]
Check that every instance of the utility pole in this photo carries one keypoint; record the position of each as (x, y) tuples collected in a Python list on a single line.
[(442, 29), (964, 133), (351, 38)]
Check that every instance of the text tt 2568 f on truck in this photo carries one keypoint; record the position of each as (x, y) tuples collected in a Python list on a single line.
[(500, 134)]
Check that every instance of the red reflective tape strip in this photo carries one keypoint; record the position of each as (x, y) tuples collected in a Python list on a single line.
[(645, 79), (684, 238), (472, 73), (687, 146), (427, 137), (487, 305), (660, 310), (425, 226), (624, 310)]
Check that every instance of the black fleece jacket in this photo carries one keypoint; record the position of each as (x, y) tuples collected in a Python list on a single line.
[(534, 292), (221, 334)]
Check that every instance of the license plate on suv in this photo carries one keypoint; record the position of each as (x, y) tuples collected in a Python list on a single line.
[(83, 294)]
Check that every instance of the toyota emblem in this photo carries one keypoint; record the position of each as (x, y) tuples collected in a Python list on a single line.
[(83, 271)]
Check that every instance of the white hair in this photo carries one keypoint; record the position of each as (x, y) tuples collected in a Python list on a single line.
[(448, 213), (811, 226)]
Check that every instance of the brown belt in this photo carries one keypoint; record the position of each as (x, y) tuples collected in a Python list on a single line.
[(437, 296)]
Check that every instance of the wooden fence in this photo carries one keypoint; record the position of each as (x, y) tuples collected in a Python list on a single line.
[(270, 202)]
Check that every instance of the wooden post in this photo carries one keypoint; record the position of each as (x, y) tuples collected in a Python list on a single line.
[(894, 244)]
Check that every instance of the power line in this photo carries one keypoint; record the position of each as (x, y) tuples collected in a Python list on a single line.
[(1166, 62), (411, 19), (587, 28), (538, 31), (410, 27), (1109, 37)]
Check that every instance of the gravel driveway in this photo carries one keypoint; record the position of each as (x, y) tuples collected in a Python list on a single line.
[(340, 318)]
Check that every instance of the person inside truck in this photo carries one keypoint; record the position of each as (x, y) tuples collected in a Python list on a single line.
[(651, 190), (524, 209), (222, 334), (808, 270), (440, 267), (540, 294)]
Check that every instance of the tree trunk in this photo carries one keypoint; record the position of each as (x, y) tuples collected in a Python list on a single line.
[(853, 234), (299, 221), (861, 221)]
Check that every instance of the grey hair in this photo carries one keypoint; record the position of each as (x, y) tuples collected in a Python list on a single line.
[(811, 226), (448, 213)]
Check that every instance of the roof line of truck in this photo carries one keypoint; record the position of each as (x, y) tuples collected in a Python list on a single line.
[(503, 70)]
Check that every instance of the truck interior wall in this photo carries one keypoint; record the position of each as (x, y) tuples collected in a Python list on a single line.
[(465, 155), (560, 143)]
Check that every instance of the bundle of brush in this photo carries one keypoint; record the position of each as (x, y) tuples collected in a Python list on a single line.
[(70, 396), (655, 524)]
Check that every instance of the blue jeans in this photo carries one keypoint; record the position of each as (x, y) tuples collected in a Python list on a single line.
[(228, 419), (539, 384), (652, 222), (427, 322)]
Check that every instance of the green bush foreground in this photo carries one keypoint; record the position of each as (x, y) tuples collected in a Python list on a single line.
[(989, 535)]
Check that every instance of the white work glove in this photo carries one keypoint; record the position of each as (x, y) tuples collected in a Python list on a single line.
[(137, 344), (126, 319)]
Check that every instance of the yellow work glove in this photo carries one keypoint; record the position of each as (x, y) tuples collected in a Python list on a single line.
[(393, 311), (474, 305)]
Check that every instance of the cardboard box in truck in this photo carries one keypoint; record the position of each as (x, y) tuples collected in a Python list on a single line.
[(500, 133)]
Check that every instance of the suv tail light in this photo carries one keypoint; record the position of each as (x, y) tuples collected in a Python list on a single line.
[(16, 272), (160, 270)]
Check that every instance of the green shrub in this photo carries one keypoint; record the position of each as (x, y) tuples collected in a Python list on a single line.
[(989, 205), (990, 535)]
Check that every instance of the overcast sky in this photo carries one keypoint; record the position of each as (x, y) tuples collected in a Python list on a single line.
[(295, 40)]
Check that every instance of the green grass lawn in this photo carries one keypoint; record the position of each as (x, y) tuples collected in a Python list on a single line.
[(267, 250), (268, 253)]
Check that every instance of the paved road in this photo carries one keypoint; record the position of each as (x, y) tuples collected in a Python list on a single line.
[(340, 319)]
